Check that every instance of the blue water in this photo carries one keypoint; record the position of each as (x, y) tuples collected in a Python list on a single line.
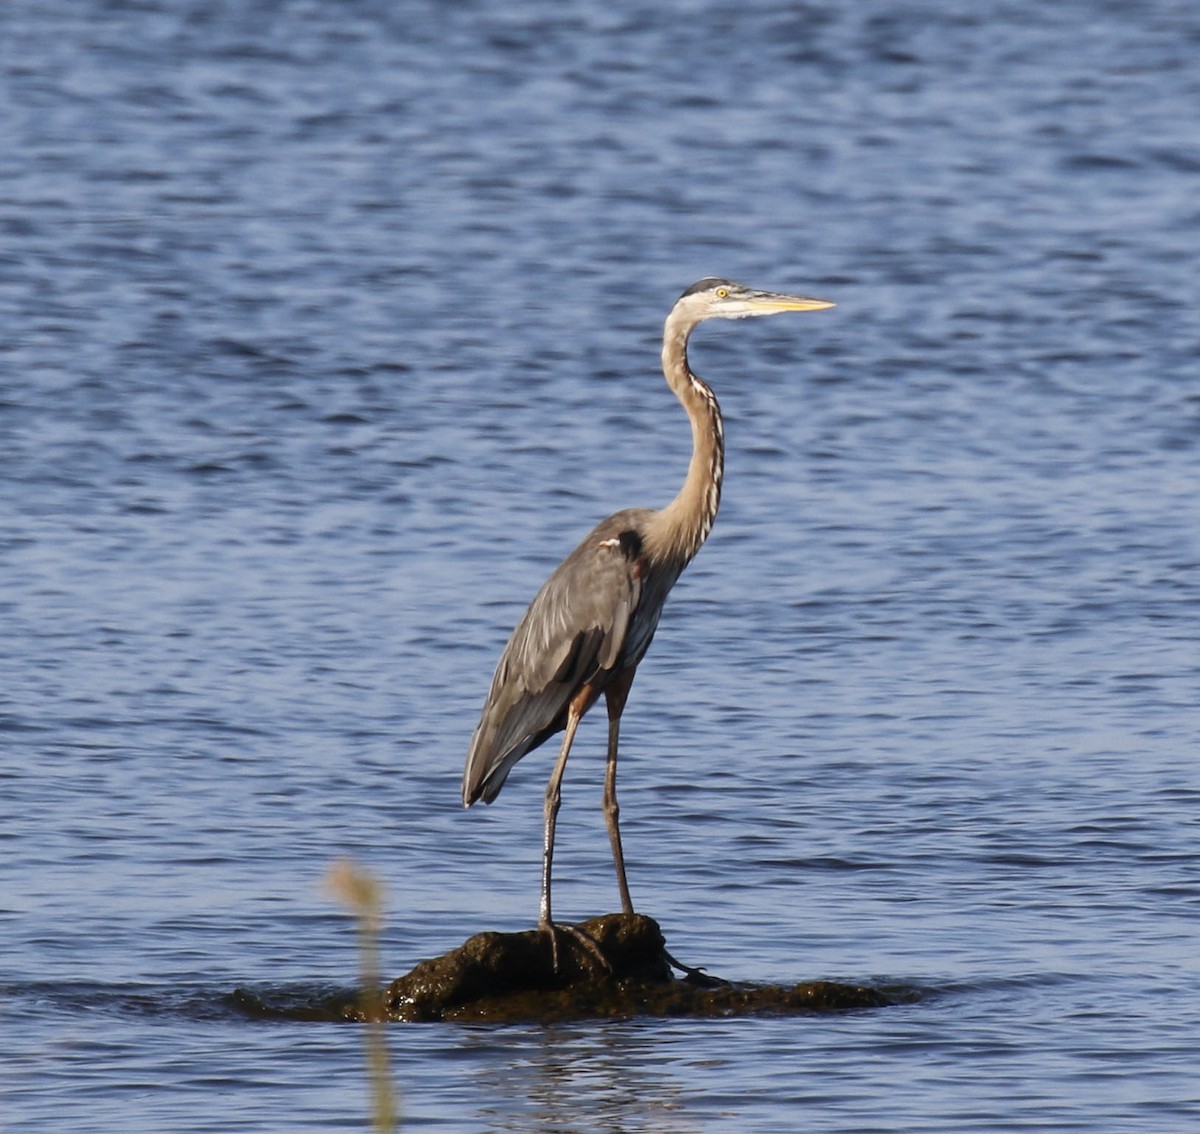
[(327, 329)]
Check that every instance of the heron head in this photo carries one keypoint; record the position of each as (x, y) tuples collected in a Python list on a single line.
[(713, 298)]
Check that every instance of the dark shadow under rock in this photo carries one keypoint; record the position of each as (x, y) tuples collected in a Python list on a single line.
[(511, 976)]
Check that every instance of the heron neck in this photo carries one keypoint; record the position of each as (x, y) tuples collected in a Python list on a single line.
[(681, 528)]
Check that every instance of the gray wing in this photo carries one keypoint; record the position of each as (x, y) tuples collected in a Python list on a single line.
[(574, 629)]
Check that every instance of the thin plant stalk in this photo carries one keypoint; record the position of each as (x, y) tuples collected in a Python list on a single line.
[(358, 889)]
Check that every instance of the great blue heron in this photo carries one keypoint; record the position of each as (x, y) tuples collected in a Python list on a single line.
[(591, 623)]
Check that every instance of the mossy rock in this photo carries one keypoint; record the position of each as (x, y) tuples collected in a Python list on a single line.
[(611, 966)]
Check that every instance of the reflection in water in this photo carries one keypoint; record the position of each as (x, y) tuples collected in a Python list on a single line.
[(612, 1072)]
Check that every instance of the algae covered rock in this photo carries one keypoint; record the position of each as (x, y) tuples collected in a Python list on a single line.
[(616, 965)]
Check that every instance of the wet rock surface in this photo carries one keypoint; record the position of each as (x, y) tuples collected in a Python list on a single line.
[(611, 966)]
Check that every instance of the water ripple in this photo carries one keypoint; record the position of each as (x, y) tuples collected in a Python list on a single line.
[(330, 329)]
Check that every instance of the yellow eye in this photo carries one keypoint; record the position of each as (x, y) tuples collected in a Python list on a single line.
[(722, 293)]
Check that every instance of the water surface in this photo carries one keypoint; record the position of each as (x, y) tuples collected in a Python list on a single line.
[(329, 329)]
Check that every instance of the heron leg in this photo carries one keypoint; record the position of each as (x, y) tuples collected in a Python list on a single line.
[(615, 697), (575, 711), (553, 799)]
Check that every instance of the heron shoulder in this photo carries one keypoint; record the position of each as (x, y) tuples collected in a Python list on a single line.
[(593, 589)]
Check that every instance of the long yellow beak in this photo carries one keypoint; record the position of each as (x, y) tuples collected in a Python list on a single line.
[(769, 302)]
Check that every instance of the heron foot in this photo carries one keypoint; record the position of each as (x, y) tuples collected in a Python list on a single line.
[(697, 977), (587, 943)]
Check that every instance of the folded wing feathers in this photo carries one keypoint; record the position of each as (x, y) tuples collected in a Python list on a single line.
[(575, 628)]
